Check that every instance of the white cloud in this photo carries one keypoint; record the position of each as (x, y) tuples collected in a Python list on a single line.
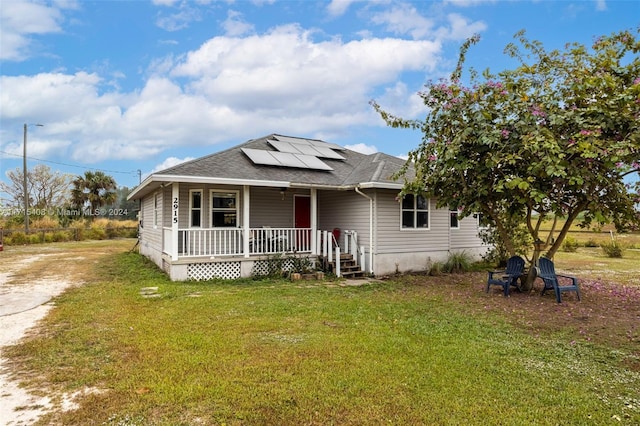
[(20, 21), (179, 20), (468, 3), (601, 5), (231, 88), (234, 25), (460, 28), (286, 71), (164, 2), (400, 101), (39, 146), (404, 19), (167, 163), (338, 7), (362, 148)]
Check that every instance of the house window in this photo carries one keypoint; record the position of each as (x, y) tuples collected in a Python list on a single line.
[(156, 209), (483, 223), (454, 222), (224, 209), (415, 212), (195, 208)]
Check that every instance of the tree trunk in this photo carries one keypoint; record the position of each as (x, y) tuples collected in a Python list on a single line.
[(532, 275)]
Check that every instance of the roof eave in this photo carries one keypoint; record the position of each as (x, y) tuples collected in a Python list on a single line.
[(380, 185), (147, 186)]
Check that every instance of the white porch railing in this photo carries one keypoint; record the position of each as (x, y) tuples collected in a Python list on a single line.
[(330, 249), (209, 242), (279, 240), (213, 242)]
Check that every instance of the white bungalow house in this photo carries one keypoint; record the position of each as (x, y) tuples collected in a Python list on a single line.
[(225, 214)]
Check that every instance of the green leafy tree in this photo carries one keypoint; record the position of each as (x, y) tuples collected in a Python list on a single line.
[(124, 209), (93, 190), (555, 137)]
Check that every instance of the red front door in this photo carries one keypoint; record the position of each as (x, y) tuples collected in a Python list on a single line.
[(302, 216)]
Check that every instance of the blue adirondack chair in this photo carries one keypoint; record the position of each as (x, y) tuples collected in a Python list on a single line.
[(508, 277), (547, 272)]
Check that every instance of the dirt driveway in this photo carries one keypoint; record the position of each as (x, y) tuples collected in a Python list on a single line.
[(30, 278)]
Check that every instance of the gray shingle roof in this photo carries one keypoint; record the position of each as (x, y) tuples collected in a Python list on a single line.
[(232, 163)]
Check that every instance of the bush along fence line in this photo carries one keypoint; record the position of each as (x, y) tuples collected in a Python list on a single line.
[(9, 237)]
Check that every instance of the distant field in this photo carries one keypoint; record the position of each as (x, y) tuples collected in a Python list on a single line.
[(596, 236)]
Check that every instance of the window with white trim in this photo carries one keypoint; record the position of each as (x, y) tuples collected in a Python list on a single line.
[(224, 209), (156, 209), (195, 208), (454, 220), (483, 223), (414, 212)]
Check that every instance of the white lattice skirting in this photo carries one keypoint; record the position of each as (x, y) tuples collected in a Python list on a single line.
[(207, 271), (263, 267)]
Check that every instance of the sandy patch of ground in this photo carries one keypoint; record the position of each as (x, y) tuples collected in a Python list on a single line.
[(30, 277), (21, 307)]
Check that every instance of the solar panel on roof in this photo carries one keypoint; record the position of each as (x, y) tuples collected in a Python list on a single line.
[(285, 146), (289, 160), (328, 153), (312, 142), (308, 150), (314, 162), (260, 156), (285, 159), (318, 150)]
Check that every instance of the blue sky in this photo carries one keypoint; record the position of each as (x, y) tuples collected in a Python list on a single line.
[(123, 86)]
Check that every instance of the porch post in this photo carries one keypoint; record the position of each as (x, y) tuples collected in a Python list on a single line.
[(314, 220), (245, 219), (175, 208)]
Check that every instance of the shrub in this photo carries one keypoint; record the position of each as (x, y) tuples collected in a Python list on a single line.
[(570, 245), (301, 264), (16, 238), (458, 262), (275, 267), (59, 236), (435, 269), (591, 243), (44, 222), (77, 227), (612, 249), (96, 233)]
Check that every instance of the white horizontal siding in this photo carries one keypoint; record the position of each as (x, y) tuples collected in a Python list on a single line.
[(391, 238), (150, 235), (345, 210), (466, 237), (268, 207)]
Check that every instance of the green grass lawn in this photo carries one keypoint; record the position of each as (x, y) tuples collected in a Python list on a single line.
[(401, 352)]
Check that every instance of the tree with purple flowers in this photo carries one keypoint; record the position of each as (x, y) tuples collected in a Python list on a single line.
[(558, 136)]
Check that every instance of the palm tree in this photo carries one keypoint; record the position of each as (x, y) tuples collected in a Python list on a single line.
[(95, 190)]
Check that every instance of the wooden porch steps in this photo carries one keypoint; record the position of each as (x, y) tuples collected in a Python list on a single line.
[(348, 266)]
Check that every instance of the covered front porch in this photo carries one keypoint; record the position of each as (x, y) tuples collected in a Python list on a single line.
[(218, 221), (239, 228)]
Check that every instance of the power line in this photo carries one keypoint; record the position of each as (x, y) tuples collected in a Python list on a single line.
[(133, 172)]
